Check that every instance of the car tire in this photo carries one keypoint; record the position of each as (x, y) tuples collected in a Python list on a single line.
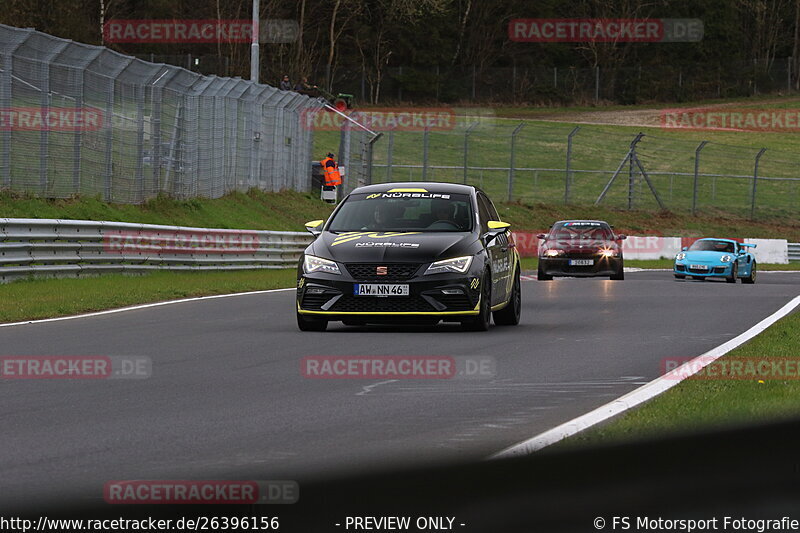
[(734, 273), (752, 277), (541, 276), (311, 324), (620, 275), (509, 315), (481, 322)]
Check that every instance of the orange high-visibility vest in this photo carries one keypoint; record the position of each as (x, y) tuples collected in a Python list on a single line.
[(332, 176)]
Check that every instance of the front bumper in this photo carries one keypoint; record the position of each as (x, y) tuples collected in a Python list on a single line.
[(559, 266), (439, 296), (713, 271)]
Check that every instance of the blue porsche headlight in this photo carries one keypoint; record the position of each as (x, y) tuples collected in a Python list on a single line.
[(725, 259), (681, 256)]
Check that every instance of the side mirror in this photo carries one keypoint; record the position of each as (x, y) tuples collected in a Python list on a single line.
[(541, 236), (622, 237), (684, 248), (496, 228), (314, 227)]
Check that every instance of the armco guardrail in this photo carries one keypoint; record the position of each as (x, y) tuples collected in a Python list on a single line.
[(70, 248), (794, 251)]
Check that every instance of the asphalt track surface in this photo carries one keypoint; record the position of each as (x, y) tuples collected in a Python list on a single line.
[(227, 400)]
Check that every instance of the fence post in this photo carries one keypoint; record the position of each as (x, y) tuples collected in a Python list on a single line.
[(568, 174), (425, 153), (755, 182), (466, 148), (390, 156), (696, 175), (370, 152), (596, 84), (474, 74), (513, 157), (5, 133)]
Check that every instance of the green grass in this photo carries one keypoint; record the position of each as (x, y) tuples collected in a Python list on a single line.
[(285, 211), (696, 404), (46, 298)]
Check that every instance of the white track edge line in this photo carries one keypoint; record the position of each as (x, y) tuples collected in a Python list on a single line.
[(643, 393), (143, 306)]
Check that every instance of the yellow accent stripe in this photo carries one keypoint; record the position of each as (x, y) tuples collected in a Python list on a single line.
[(407, 190)]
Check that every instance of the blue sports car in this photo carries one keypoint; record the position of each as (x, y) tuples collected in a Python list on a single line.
[(716, 258)]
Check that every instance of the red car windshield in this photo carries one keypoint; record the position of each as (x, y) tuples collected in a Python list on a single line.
[(577, 231)]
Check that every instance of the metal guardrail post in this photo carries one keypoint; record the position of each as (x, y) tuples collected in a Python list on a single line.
[(568, 173), (696, 175), (755, 183)]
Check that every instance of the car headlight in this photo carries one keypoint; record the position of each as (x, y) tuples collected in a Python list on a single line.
[(680, 257), (459, 265), (608, 252), (725, 259), (552, 252), (318, 264)]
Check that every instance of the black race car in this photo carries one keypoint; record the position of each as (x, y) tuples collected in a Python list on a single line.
[(410, 253), (580, 248)]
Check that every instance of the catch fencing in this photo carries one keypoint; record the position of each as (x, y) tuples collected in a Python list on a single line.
[(557, 163), (84, 120), (73, 248)]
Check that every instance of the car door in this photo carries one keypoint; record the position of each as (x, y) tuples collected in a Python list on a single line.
[(498, 249), (743, 259)]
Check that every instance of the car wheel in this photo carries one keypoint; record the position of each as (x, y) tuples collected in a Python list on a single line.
[(311, 324), (509, 315), (752, 277), (734, 274), (680, 276), (620, 275), (541, 276), (481, 322)]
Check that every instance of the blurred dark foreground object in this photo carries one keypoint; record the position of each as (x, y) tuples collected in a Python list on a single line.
[(747, 472)]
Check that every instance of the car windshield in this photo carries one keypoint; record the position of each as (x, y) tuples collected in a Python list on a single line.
[(404, 212), (713, 246), (595, 231)]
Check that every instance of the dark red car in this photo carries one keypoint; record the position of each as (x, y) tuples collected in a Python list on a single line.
[(585, 248)]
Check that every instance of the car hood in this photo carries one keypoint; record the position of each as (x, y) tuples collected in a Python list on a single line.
[(401, 247), (706, 256)]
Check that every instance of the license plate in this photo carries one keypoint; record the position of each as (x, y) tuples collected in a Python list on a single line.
[(581, 262), (699, 267), (379, 289)]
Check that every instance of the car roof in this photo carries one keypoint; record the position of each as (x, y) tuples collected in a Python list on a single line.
[(429, 186), (715, 239), (580, 220)]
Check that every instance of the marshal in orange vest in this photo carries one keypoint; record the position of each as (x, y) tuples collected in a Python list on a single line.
[(332, 176)]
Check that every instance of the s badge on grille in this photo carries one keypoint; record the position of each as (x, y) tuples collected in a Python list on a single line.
[(381, 270)]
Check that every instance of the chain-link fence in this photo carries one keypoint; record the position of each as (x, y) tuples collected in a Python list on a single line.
[(559, 163), (79, 119)]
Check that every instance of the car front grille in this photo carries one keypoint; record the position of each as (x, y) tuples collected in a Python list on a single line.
[(390, 304), (314, 302), (698, 270), (719, 270), (680, 268), (394, 271), (455, 302)]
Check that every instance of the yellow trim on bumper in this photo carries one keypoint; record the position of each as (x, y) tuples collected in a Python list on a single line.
[(388, 313)]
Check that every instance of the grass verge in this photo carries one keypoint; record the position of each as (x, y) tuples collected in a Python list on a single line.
[(49, 298), (705, 404)]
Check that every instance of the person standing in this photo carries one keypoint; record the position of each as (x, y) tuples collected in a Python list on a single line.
[(333, 178)]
